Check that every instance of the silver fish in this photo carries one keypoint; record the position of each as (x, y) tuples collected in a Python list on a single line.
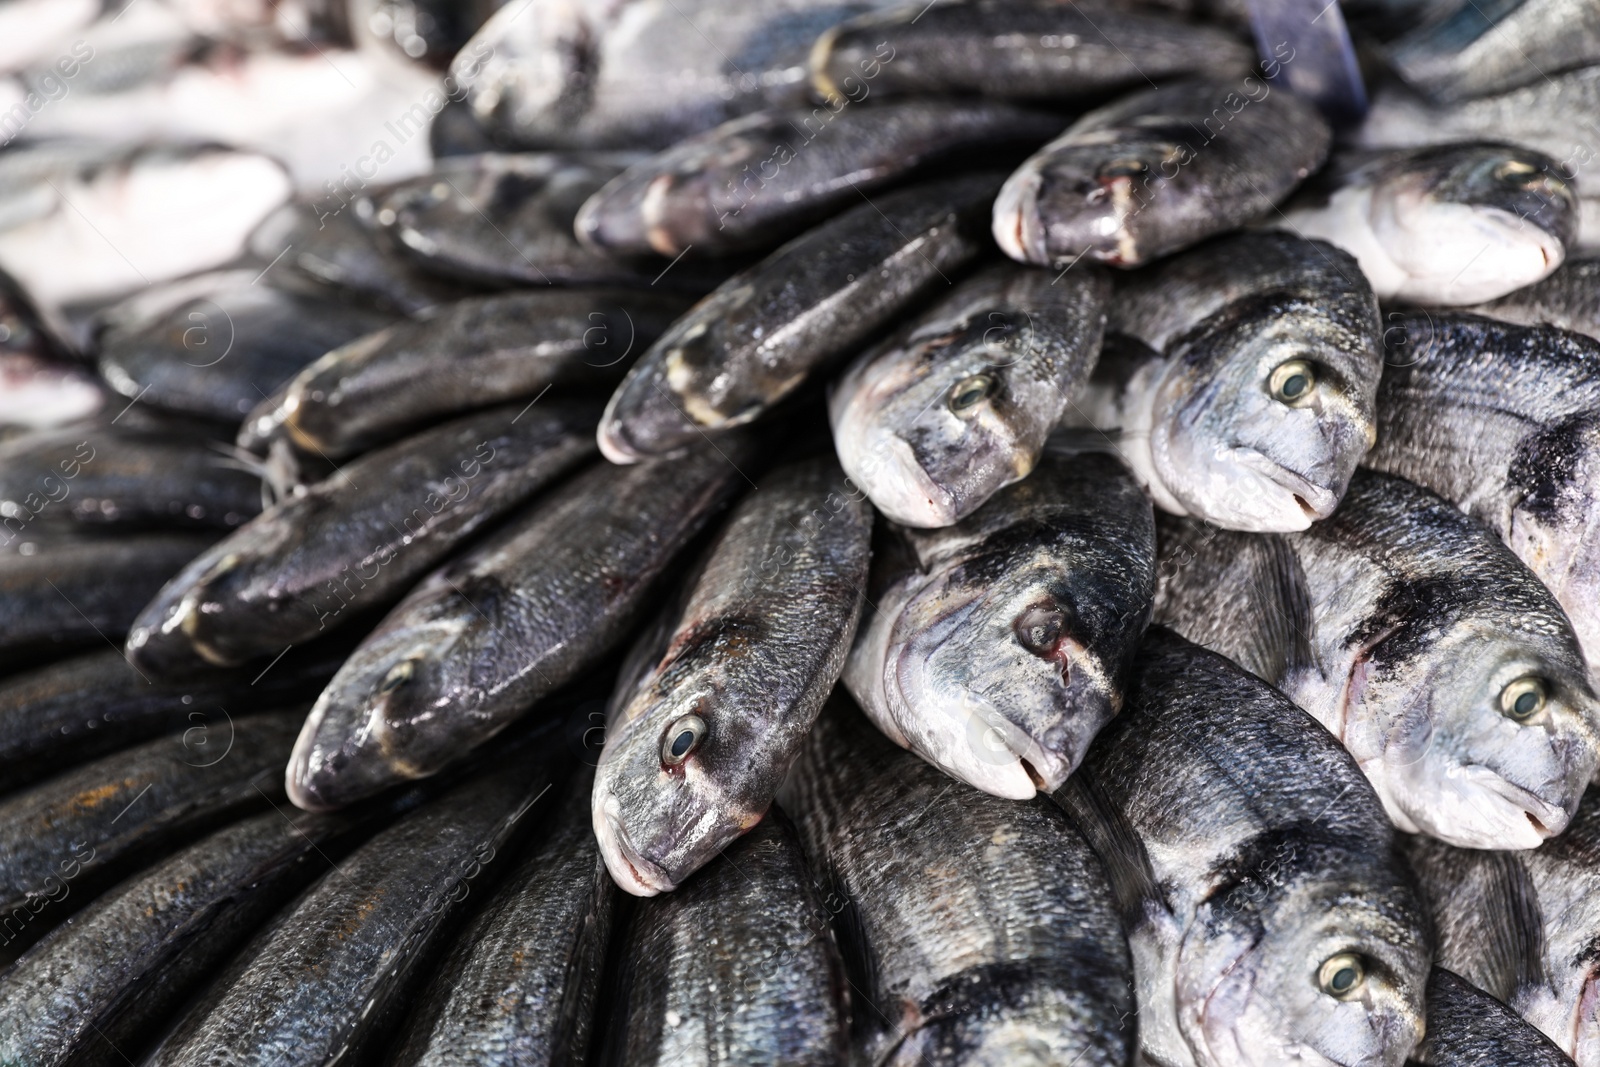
[(1447, 224), (976, 930), (697, 744), (999, 646), (468, 354), (1500, 419), (956, 404), (1410, 632), (757, 180), (1568, 298), (1465, 50), (1247, 399), (1269, 918), (1469, 1028), (737, 967), (1030, 50), (1158, 171), (763, 332), (355, 540), (485, 639)]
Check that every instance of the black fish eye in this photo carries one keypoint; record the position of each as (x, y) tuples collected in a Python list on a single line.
[(1342, 975), (1292, 381), (1039, 630), (970, 391), (1523, 698), (398, 675), (682, 738)]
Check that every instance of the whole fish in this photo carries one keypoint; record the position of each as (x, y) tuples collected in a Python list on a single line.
[(1522, 926), (761, 333), (956, 404), (759, 179), (1033, 50), (697, 744), (1469, 1028), (520, 987), (486, 638), (1465, 50), (1446, 224), (466, 355), (738, 967), (216, 345), (999, 646), (1410, 632), (335, 974), (355, 540), (1157, 171), (1500, 419), (1568, 298), (1246, 398), (126, 809), (1269, 918), (975, 930)]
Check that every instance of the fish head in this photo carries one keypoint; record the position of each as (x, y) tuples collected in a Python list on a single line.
[(1311, 953), (1472, 222), (994, 676), (1264, 412)]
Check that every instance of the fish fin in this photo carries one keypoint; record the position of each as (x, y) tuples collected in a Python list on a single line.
[(1114, 840), (1285, 606), (1514, 945)]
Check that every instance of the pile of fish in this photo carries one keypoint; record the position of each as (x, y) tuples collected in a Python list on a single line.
[(1010, 533)]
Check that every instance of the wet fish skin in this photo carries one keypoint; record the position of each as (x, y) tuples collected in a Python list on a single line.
[(760, 640), (975, 929), (1468, 1028), (903, 422), (331, 978), (1036, 50), (1248, 856), (469, 354), (1463, 51), (1568, 298), (1158, 171), (291, 573), (1498, 418), (520, 987), (486, 638), (1193, 399), (1000, 645), (1401, 625), (761, 333), (714, 190), (216, 344), (1421, 221)]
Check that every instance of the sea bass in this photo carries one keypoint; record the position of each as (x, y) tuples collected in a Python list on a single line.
[(1000, 645), (1410, 632), (699, 739), (1469, 1028), (1269, 918), (956, 404)]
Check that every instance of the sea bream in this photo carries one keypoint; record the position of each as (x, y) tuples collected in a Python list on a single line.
[(956, 403), (975, 930), (1158, 171), (710, 715), (1500, 419), (1246, 394), (1270, 919), (1408, 630), (999, 646)]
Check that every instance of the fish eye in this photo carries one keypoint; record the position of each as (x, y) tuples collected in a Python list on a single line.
[(1342, 975), (1039, 630), (970, 391), (1126, 167), (1293, 381), (1523, 698), (683, 737), (398, 675)]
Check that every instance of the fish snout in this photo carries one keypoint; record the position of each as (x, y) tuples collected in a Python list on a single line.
[(629, 869)]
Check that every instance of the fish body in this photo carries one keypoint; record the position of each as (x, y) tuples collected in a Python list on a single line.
[(760, 334), (957, 403), (1445, 224), (1418, 640), (469, 354), (1469, 1028), (354, 540), (1269, 918), (1000, 645), (1568, 298), (1465, 51), (737, 967), (486, 638), (1158, 171), (757, 180), (1246, 397), (975, 930), (697, 745)]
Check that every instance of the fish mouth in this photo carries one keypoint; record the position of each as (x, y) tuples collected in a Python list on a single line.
[(904, 492), (631, 871), (1314, 502), (1509, 816), (1544, 818)]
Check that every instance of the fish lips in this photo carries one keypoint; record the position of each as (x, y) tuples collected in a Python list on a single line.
[(629, 869)]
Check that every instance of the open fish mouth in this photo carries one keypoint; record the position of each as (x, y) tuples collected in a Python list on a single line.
[(1315, 502), (628, 868), (1544, 818)]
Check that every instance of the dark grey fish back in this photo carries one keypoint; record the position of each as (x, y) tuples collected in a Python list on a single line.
[(1469, 1028)]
